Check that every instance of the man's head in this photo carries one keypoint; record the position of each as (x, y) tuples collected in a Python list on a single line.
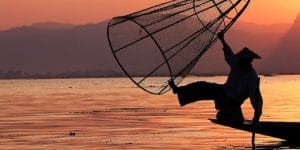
[(246, 53), (245, 57)]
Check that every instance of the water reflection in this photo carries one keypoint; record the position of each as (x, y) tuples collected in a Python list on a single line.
[(114, 114)]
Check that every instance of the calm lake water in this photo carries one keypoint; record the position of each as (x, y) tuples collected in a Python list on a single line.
[(112, 113)]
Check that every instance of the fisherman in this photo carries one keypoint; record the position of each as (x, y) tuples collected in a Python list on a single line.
[(242, 83)]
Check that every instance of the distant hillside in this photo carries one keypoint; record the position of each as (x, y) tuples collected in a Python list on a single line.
[(56, 48), (47, 48), (52, 26), (285, 58)]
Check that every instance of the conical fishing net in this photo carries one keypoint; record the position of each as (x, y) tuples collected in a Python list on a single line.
[(166, 41)]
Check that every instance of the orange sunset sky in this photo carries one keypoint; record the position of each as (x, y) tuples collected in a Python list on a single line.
[(15, 13)]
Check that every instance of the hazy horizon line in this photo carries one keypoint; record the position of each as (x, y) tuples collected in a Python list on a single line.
[(97, 22)]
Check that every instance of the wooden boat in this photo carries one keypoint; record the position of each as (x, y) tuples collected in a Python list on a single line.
[(289, 131)]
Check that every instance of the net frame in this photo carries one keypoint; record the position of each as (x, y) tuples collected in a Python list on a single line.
[(226, 23)]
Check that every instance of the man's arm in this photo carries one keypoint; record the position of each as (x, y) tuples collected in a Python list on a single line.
[(228, 53)]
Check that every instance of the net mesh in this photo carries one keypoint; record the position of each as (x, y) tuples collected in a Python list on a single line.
[(167, 40)]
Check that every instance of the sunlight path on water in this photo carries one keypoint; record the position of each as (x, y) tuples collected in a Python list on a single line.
[(111, 113)]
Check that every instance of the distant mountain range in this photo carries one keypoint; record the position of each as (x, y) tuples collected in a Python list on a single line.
[(53, 48), (285, 57)]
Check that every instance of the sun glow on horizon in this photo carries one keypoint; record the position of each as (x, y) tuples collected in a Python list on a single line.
[(25, 12), (275, 11)]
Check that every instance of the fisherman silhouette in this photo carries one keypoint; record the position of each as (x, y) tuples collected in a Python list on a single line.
[(242, 83)]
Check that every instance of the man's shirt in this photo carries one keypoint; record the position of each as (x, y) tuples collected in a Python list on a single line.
[(242, 84)]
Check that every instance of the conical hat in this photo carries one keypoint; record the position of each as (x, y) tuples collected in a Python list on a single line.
[(247, 53)]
